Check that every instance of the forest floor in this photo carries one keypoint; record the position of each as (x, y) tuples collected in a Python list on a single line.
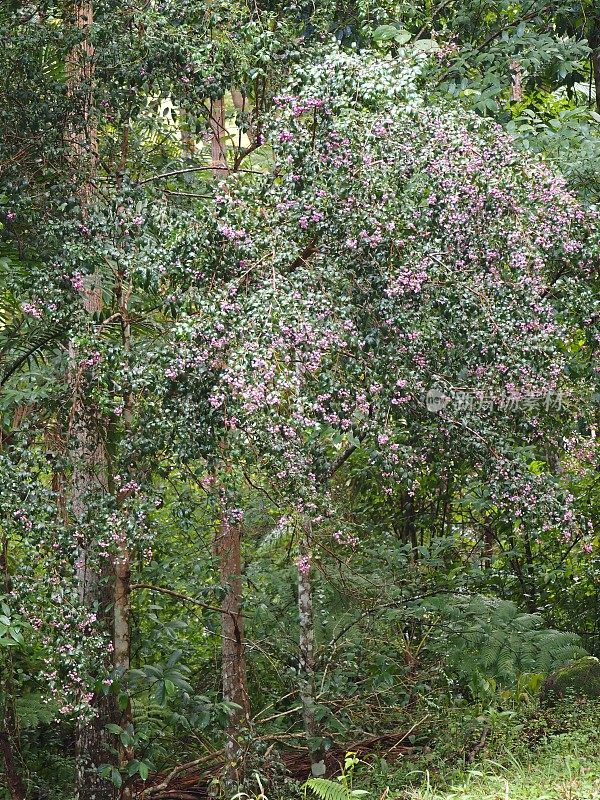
[(530, 754), (559, 766), (564, 770)]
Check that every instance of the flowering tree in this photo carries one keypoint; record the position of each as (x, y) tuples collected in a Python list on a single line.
[(359, 301), (389, 287)]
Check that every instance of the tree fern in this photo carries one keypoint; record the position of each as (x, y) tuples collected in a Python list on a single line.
[(34, 709), (493, 639)]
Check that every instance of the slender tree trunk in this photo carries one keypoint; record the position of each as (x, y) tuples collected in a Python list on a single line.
[(89, 479), (90, 474), (8, 722), (528, 598), (80, 73), (233, 657), (122, 650), (532, 589), (122, 563), (218, 132), (595, 58), (306, 667), (14, 783), (411, 528), (488, 546), (516, 90), (188, 140)]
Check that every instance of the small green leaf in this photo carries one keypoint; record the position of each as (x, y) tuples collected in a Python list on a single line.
[(116, 778), (126, 738), (426, 45), (385, 33), (112, 728), (159, 693), (133, 768)]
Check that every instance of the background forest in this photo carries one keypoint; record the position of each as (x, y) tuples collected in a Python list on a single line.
[(299, 357)]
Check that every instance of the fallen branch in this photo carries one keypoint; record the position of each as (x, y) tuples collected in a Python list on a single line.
[(153, 791), (479, 746)]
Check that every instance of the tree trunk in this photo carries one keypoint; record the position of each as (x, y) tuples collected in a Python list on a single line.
[(8, 730), (80, 72), (516, 90), (90, 474), (90, 478), (15, 786), (122, 651), (595, 58), (233, 657), (488, 545), (218, 131), (529, 561), (188, 140), (306, 667), (122, 566)]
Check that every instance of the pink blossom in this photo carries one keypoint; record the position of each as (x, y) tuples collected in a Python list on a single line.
[(303, 564)]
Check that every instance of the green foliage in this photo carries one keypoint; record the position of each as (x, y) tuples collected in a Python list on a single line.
[(267, 339), (539, 755), (326, 789), (570, 139), (11, 627), (484, 638), (35, 710), (340, 789)]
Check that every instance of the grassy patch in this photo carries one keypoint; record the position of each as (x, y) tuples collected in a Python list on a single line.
[(564, 769), (554, 756)]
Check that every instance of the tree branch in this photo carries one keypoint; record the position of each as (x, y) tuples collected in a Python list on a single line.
[(179, 596), (192, 169)]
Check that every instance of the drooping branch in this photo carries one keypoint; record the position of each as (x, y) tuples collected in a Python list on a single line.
[(184, 597)]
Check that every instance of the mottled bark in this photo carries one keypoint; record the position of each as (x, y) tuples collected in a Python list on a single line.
[(90, 474), (306, 667), (122, 650), (122, 564), (82, 133), (88, 480), (14, 783), (516, 90), (233, 657), (488, 546)]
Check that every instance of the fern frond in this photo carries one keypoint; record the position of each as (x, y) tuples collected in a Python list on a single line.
[(494, 639), (325, 789)]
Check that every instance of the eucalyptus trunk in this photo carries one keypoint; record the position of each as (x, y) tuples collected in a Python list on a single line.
[(306, 667), (233, 656), (122, 563), (89, 480), (90, 467), (14, 782)]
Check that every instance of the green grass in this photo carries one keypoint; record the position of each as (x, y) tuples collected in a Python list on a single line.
[(531, 753), (565, 767)]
